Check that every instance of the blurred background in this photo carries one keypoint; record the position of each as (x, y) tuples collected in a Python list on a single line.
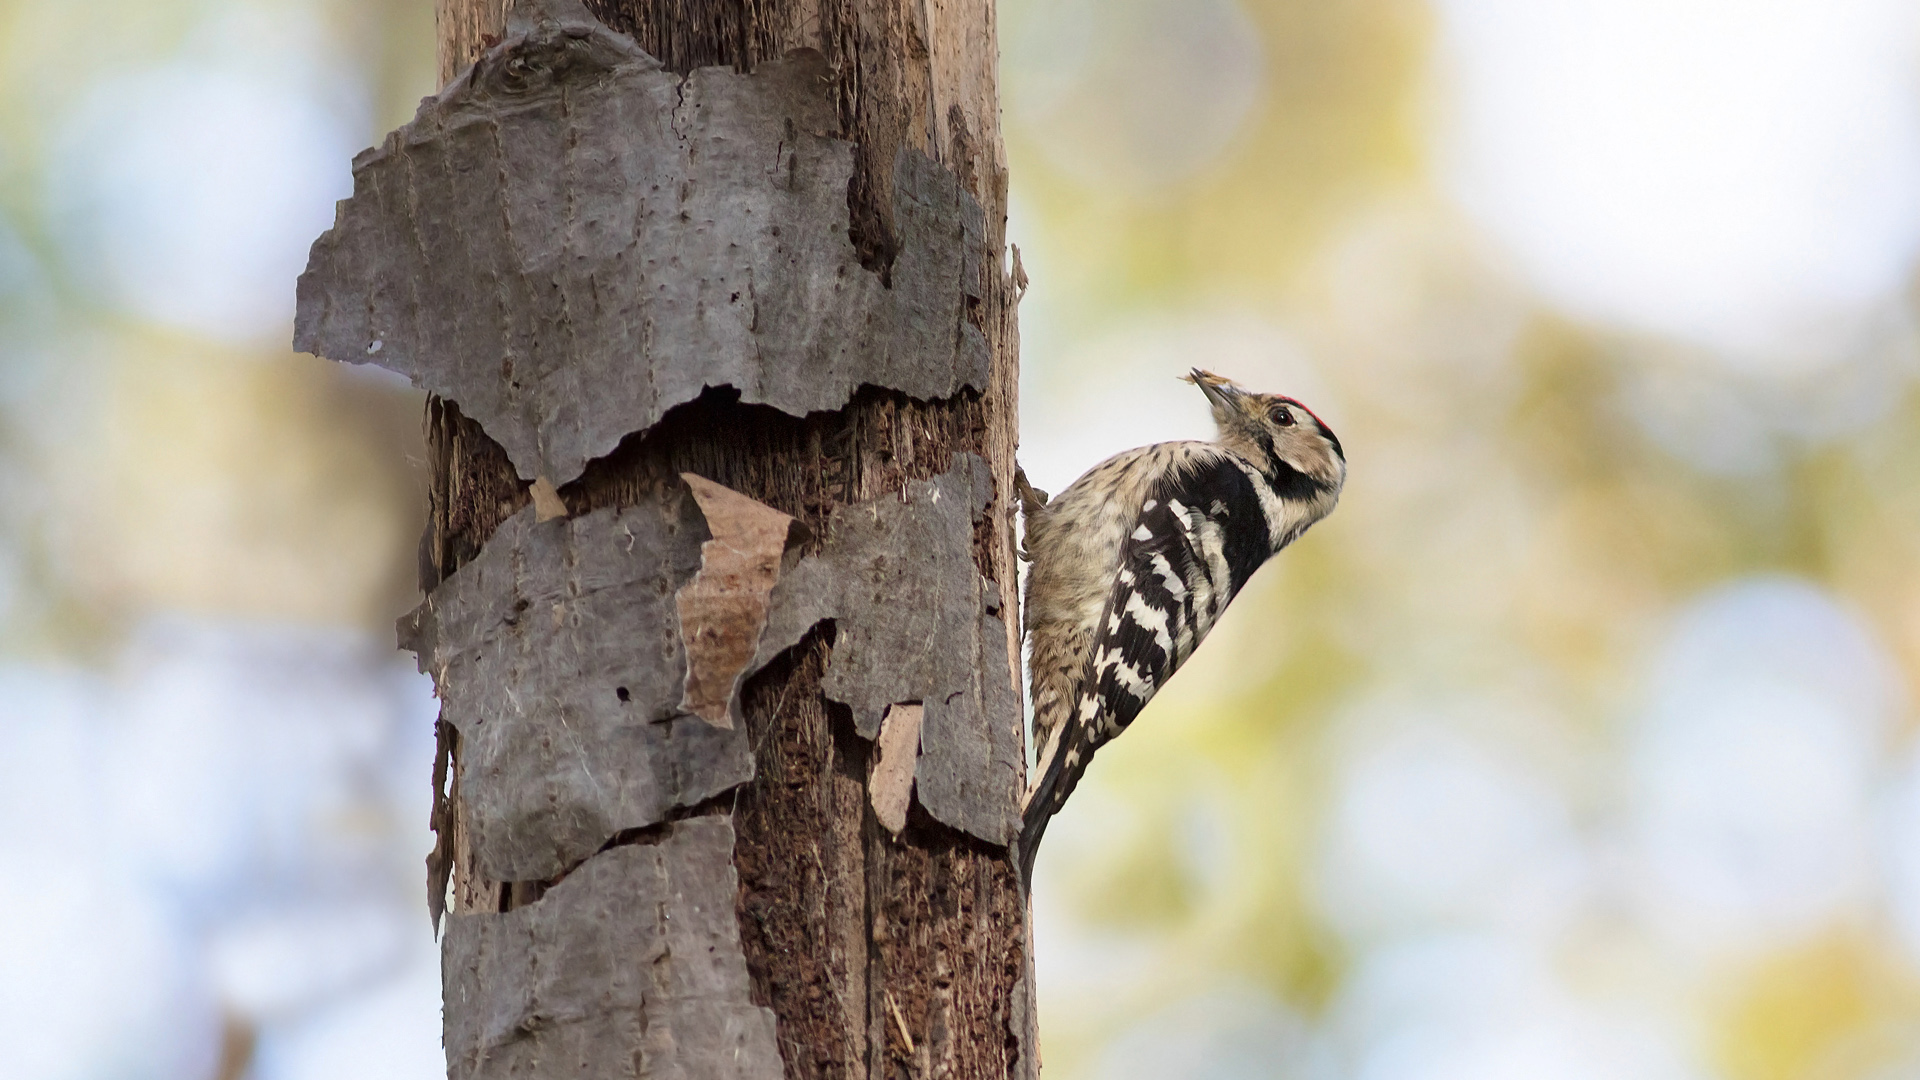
[(1578, 744)]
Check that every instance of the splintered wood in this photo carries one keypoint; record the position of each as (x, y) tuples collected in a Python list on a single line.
[(724, 608)]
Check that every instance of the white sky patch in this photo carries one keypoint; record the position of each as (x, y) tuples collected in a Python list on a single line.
[(231, 823), (284, 960), (1900, 848), (1430, 828), (99, 981), (190, 194), (1741, 175), (1753, 768), (1472, 1007), (1232, 1032), (240, 757), (1752, 816), (389, 1032)]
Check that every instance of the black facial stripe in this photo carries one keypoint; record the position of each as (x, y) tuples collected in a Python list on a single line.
[(1270, 457), (1288, 482), (1333, 439), (1293, 485)]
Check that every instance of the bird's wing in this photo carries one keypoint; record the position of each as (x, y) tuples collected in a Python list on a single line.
[(1198, 537)]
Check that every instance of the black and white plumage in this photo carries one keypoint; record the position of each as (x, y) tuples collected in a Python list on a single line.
[(1136, 561)]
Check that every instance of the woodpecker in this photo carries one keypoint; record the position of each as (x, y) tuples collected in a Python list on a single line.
[(1136, 560)]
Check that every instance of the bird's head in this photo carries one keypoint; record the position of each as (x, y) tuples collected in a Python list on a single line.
[(1276, 433)]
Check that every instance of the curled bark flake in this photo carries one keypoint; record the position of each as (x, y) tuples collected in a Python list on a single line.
[(724, 608), (890, 786), (440, 820)]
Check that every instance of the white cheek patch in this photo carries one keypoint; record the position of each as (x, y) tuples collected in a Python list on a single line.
[(1143, 534)]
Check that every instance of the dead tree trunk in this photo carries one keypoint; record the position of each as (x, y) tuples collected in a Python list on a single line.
[(679, 733)]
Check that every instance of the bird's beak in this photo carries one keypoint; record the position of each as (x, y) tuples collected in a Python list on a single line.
[(1220, 393)]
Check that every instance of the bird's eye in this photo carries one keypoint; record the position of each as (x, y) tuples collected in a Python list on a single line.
[(1281, 415)]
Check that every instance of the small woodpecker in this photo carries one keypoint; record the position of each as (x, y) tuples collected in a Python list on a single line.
[(1136, 560)]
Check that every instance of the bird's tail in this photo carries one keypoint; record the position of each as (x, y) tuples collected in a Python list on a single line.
[(1059, 774)]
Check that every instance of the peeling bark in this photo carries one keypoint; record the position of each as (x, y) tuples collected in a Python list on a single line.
[(575, 217), (629, 968), (557, 657), (876, 953), (916, 622)]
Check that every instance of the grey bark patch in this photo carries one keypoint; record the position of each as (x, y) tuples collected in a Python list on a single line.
[(557, 656), (569, 241), (915, 621), (970, 748), (630, 967)]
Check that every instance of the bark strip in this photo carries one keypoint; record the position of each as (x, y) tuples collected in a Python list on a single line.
[(890, 782), (557, 658), (592, 240), (629, 968)]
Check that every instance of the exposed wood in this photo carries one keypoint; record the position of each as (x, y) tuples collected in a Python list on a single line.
[(890, 787), (880, 956), (724, 609)]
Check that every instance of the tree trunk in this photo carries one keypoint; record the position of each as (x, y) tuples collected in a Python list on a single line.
[(879, 955)]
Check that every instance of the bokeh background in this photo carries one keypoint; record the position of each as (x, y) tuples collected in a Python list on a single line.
[(1578, 744)]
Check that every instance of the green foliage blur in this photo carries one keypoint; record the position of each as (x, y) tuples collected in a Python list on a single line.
[(163, 448), (1451, 791)]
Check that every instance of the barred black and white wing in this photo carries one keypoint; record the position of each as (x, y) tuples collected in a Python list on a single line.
[(1199, 536)]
